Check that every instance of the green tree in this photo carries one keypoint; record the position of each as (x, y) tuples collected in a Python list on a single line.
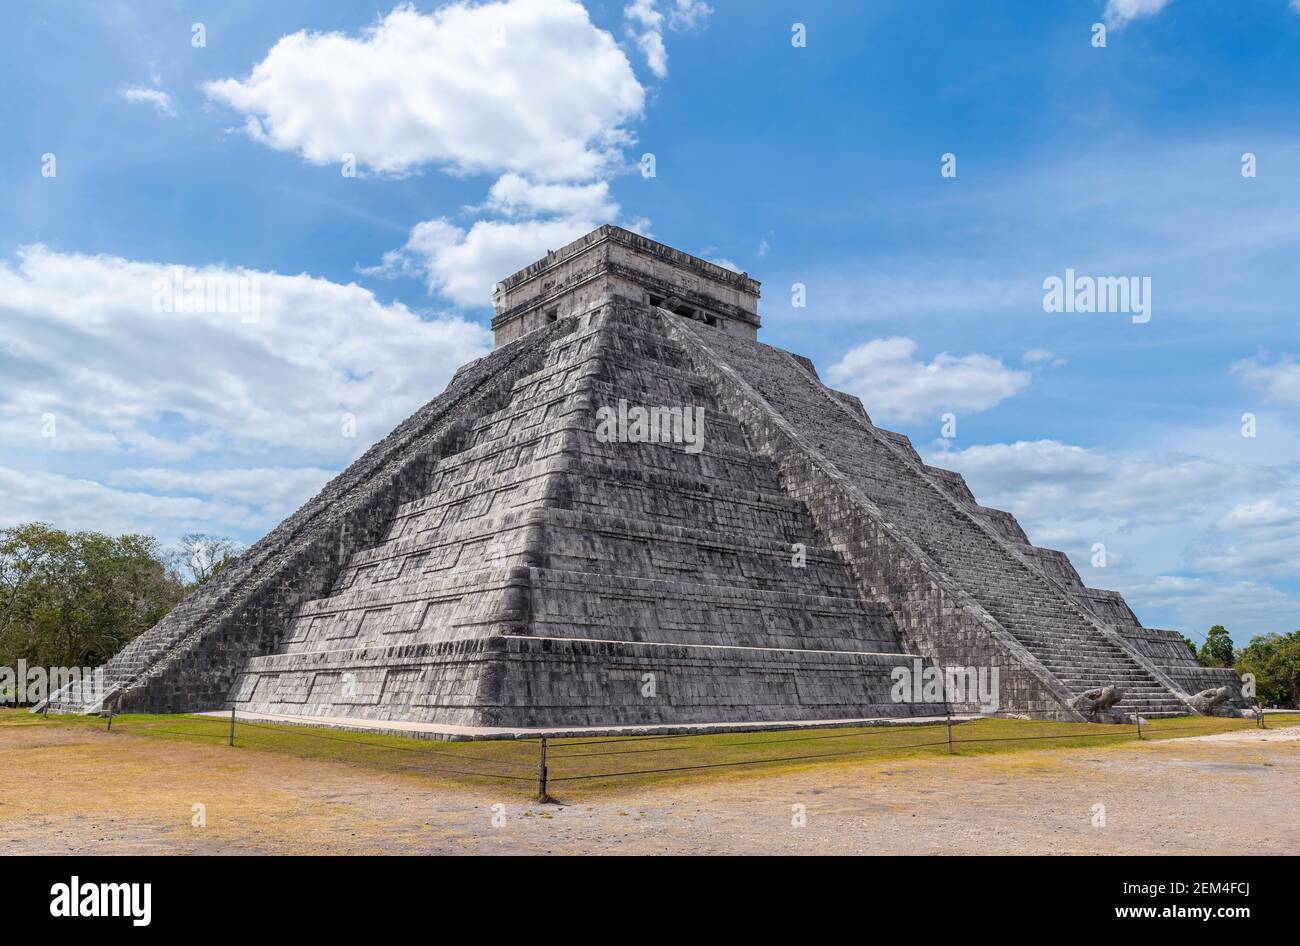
[(1274, 660), (1217, 649), (73, 599), (1191, 645)]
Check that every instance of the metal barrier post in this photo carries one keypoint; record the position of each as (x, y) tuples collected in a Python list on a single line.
[(541, 773), (1138, 717), (947, 711), (110, 720), (232, 725)]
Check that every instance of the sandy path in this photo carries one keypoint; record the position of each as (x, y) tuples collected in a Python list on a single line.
[(66, 790)]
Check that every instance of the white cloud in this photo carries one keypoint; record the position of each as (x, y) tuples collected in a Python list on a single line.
[(159, 99), (896, 388), (1119, 12), (646, 27), (1035, 356), (515, 196), (1155, 514), (1193, 604), (253, 485), (87, 348), (687, 15), (1256, 538), (527, 89), (528, 86), (1038, 479), (464, 265), (1279, 378), (645, 24), (263, 496), (1265, 514), (75, 504)]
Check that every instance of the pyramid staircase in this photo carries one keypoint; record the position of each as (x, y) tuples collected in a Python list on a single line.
[(956, 542)]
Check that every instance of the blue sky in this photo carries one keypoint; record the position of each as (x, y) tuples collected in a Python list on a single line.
[(485, 134)]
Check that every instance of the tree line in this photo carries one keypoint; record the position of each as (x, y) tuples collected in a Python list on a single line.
[(74, 599), (1272, 659)]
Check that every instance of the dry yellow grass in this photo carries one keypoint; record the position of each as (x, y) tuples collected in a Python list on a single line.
[(68, 785)]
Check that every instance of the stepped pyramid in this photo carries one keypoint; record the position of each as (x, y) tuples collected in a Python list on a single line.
[(502, 560)]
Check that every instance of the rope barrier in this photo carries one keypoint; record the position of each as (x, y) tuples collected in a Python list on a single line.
[(717, 765), (872, 732), (865, 749), (756, 742), (302, 730)]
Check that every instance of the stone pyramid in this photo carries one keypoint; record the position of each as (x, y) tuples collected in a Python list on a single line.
[(520, 553)]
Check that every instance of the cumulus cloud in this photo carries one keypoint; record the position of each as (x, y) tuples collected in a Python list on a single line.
[(529, 90), (515, 196), (1194, 603), (1266, 514), (102, 356), (1260, 537), (159, 99), (80, 503), (1279, 377), (524, 86), (1155, 514), (1037, 479), (463, 265), (1119, 12), (895, 387)]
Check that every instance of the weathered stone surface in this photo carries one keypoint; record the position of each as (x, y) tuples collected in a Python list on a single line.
[(1215, 702), (496, 561), (1099, 705), (611, 261), (190, 658)]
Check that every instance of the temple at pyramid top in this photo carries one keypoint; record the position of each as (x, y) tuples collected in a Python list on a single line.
[(611, 262)]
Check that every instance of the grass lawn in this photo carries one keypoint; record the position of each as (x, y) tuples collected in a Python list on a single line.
[(580, 766)]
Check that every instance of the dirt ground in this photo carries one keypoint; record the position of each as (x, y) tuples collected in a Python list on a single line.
[(72, 791)]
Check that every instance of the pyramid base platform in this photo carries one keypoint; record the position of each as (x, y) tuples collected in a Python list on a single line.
[(445, 733), (566, 683)]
